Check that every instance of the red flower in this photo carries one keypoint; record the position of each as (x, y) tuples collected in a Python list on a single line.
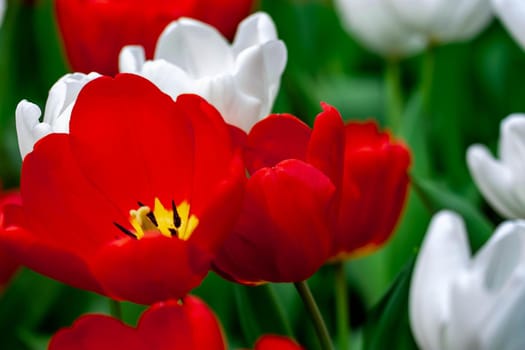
[(275, 342), (164, 326), (134, 202), (8, 265), (313, 195), (95, 31)]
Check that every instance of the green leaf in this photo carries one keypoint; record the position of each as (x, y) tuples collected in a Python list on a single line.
[(387, 325), (260, 312), (438, 197)]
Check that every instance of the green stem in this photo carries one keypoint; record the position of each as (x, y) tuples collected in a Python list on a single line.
[(115, 309), (313, 310), (394, 95), (427, 76), (341, 302)]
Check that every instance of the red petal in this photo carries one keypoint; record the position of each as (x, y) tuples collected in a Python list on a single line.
[(327, 144), (284, 232), (276, 138), (152, 269), (132, 142), (214, 150), (164, 326), (191, 326), (379, 169), (97, 332), (276, 342)]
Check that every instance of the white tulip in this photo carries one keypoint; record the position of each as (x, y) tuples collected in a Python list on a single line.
[(241, 80), (2, 10), (461, 302), (512, 14), (444, 20), (377, 27), (60, 102), (502, 181)]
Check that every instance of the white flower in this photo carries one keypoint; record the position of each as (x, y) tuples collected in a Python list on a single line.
[(241, 80), (461, 302), (2, 10), (502, 181), (444, 20), (62, 97), (512, 14), (375, 25)]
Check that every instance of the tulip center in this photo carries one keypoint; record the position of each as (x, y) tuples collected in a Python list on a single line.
[(174, 222)]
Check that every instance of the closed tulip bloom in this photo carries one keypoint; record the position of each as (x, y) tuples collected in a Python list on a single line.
[(314, 195), (502, 181), (60, 102), (511, 13), (377, 27), (459, 301), (130, 202), (444, 21), (189, 325), (241, 80), (94, 31)]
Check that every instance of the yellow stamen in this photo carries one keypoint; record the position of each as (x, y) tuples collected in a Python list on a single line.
[(178, 222)]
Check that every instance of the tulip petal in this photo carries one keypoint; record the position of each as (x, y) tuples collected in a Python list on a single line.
[(274, 139), (191, 325), (132, 59), (254, 30), (206, 52), (151, 269), (145, 149), (511, 13), (97, 332), (444, 252), (495, 181), (283, 234), (276, 342)]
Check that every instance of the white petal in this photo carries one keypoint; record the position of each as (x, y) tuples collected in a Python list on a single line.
[(375, 25), (254, 30), (258, 73), (484, 297), (495, 181), (170, 78), (195, 47), (512, 13), (445, 253), (512, 142), (27, 119), (131, 59)]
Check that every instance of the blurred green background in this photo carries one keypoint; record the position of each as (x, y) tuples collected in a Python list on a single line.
[(475, 84)]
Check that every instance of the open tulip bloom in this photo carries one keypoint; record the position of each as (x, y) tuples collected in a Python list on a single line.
[(463, 302), (134, 199), (313, 195), (241, 80), (502, 180)]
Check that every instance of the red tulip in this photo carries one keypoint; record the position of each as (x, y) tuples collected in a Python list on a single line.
[(134, 202), (314, 195), (275, 342), (8, 265), (170, 325), (95, 31)]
